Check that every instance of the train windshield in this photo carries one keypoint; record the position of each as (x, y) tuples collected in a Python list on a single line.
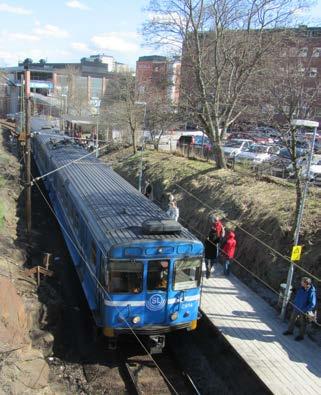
[(187, 273), (125, 277), (157, 278)]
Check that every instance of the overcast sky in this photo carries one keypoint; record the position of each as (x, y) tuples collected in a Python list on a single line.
[(67, 30)]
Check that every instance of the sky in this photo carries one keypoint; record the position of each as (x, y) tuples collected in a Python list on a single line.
[(67, 30)]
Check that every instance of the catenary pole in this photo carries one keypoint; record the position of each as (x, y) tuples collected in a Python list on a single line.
[(27, 152), (287, 292)]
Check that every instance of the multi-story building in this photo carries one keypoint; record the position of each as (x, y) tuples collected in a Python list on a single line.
[(300, 47), (86, 78), (157, 76)]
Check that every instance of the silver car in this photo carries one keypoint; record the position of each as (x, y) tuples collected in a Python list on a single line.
[(257, 154)]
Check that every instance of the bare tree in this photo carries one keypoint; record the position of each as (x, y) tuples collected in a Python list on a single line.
[(77, 100), (160, 117), (292, 92), (224, 45), (122, 108)]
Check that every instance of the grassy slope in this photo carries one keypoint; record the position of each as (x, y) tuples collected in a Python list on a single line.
[(262, 208)]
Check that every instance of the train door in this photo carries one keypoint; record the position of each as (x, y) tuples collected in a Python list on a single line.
[(101, 287), (156, 294)]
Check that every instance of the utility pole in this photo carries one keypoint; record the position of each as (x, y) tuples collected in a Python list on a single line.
[(27, 153), (287, 293), (97, 134), (140, 175)]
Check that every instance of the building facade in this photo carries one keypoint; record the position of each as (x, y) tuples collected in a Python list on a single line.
[(158, 76)]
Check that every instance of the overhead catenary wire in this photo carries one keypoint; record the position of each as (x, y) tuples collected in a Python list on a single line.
[(68, 164), (204, 204), (93, 275)]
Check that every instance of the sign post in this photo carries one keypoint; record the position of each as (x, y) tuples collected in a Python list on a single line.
[(296, 251)]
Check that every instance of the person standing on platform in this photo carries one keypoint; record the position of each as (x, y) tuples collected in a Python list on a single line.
[(148, 189), (211, 249), (173, 211), (218, 227), (228, 250), (304, 305)]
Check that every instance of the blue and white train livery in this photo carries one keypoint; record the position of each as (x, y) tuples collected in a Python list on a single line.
[(138, 269)]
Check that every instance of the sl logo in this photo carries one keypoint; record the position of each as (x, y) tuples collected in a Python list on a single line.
[(156, 302)]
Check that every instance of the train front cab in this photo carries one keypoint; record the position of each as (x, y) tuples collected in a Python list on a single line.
[(152, 289)]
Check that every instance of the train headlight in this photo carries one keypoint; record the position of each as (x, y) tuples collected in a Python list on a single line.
[(174, 316), (136, 319)]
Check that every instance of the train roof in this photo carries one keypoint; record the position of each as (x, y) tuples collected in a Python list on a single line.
[(112, 205)]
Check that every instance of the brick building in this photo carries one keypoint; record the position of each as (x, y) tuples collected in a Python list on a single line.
[(302, 47), (157, 75)]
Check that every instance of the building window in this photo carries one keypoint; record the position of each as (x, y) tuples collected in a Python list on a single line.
[(303, 52), (313, 72), (316, 52)]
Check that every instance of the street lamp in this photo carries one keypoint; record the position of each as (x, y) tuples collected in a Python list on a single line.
[(314, 125), (140, 176)]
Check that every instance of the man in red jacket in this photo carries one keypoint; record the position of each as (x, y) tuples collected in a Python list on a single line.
[(228, 249)]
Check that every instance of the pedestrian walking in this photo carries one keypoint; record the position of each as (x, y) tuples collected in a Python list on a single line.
[(173, 210), (211, 249), (228, 250), (304, 305)]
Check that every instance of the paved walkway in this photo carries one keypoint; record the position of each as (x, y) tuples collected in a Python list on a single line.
[(254, 330)]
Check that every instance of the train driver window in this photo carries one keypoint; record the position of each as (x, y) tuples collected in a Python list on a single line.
[(157, 275), (187, 273), (125, 277)]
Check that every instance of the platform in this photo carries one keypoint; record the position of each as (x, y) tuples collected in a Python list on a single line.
[(254, 330)]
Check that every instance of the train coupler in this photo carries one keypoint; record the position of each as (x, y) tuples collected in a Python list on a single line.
[(112, 343), (156, 344)]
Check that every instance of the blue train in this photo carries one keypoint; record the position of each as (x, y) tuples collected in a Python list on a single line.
[(139, 270)]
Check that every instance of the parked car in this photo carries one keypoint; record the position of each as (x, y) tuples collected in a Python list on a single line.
[(267, 131), (239, 135), (194, 141), (257, 153), (234, 147), (282, 161)]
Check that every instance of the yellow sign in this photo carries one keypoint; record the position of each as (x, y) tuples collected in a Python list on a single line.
[(296, 253)]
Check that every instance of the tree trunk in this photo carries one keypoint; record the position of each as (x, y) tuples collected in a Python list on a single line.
[(110, 134), (219, 157), (134, 141)]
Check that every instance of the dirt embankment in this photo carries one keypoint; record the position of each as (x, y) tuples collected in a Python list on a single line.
[(264, 209), (23, 368)]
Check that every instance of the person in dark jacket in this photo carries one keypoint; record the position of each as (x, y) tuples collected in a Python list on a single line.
[(210, 247), (228, 251), (304, 305)]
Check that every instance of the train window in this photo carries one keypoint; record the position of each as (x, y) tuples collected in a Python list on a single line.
[(93, 254), (187, 273), (157, 275), (125, 277)]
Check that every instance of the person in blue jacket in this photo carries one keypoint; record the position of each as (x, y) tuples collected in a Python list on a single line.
[(304, 305)]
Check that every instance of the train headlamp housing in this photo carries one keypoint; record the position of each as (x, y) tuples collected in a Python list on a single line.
[(136, 319), (174, 316)]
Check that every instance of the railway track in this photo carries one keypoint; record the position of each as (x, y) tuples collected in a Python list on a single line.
[(129, 370), (145, 377)]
